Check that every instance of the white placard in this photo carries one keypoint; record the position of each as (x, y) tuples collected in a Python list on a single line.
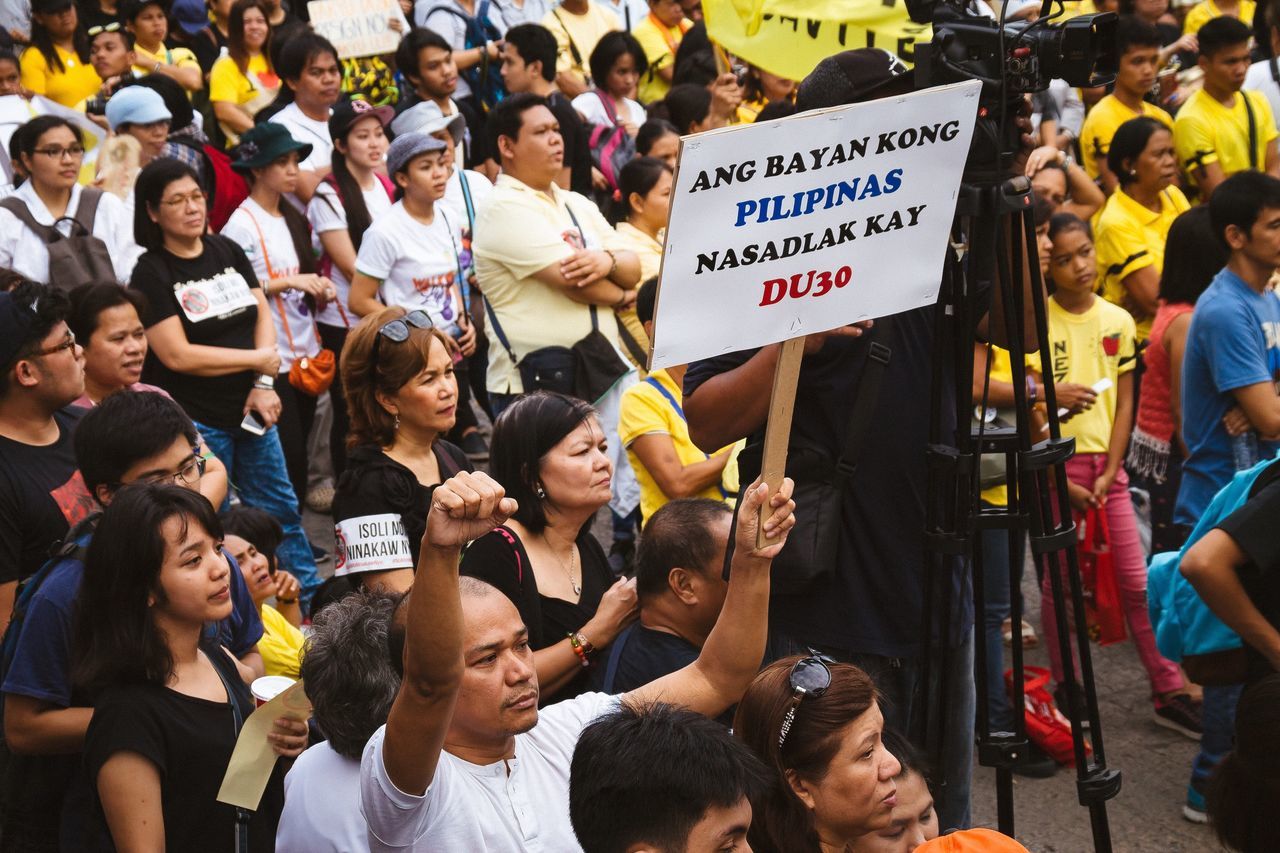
[(808, 223), (371, 543), (357, 27)]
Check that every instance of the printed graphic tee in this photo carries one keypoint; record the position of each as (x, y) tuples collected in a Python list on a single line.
[(416, 263)]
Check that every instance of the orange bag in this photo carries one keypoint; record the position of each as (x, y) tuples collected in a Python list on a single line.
[(1047, 727), (1102, 609)]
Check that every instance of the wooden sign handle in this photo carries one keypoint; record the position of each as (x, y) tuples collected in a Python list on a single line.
[(782, 403)]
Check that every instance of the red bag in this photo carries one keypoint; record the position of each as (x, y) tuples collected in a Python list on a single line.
[(1102, 608), (1047, 727)]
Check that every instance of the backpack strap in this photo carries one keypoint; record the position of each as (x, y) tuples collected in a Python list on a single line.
[(1253, 130), (1275, 70), (515, 549), (19, 208), (87, 209), (615, 655), (243, 816), (609, 109)]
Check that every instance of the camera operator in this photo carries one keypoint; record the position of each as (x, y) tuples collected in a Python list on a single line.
[(868, 607)]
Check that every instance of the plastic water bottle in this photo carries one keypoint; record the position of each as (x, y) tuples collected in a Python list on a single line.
[(1244, 450)]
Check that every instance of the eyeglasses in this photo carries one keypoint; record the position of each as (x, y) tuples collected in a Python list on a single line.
[(188, 475), (69, 343), (397, 330), (75, 152), (113, 27), (809, 677), (178, 202)]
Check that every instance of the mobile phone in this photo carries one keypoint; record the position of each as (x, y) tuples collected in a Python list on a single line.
[(253, 423), (1103, 384)]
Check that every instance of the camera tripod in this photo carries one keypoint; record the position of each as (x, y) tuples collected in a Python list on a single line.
[(996, 217)]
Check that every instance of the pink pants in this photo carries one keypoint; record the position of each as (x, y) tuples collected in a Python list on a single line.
[(1131, 577)]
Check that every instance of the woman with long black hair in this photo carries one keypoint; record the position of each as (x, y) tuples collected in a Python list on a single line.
[(277, 240), (56, 64), (346, 202), (243, 81), (168, 702)]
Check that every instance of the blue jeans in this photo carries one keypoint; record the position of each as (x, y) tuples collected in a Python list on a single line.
[(501, 402), (1218, 718), (996, 608), (255, 466), (897, 679)]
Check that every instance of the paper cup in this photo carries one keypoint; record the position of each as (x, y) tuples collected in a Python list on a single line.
[(268, 687)]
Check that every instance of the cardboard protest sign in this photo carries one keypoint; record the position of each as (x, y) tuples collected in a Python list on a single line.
[(798, 226), (790, 37), (357, 27)]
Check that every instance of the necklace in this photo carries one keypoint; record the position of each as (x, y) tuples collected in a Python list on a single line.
[(570, 570)]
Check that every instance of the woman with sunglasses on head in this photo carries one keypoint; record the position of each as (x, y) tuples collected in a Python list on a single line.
[(818, 723), (213, 346), (914, 820), (252, 537), (243, 81), (402, 397), (277, 240), (51, 152), (56, 64), (549, 454), (168, 702), (345, 204)]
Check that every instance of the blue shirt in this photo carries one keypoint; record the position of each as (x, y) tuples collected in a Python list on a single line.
[(1233, 342)]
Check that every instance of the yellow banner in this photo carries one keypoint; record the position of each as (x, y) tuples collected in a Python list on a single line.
[(790, 37)]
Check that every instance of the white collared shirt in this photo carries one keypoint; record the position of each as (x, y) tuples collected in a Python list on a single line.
[(24, 251)]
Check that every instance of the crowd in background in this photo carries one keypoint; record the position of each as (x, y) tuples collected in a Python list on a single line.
[(246, 278)]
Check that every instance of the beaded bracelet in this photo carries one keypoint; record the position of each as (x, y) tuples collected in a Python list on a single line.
[(579, 647)]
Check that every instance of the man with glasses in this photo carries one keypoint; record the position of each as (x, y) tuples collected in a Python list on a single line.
[(41, 492), (467, 761), (131, 437)]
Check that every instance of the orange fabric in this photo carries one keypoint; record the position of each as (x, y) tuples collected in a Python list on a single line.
[(972, 841)]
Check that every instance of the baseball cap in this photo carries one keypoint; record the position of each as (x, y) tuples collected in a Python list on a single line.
[(136, 105), (191, 15), (347, 113), (16, 320), (851, 77), (408, 146), (426, 117), (972, 841)]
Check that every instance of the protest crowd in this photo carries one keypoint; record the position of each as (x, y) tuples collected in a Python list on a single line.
[(245, 276)]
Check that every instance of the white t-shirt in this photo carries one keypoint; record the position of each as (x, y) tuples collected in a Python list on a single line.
[(589, 105), (480, 187), (243, 230), (25, 252), (1259, 79), (453, 28), (417, 264), (326, 213), (322, 805), (314, 133), (520, 805), (629, 12)]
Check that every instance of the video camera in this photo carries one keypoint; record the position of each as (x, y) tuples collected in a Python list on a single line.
[(1011, 60)]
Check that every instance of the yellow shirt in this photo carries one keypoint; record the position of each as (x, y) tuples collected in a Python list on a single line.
[(645, 411), (1085, 348), (1101, 124), (1001, 371), (649, 251), (1207, 132), (577, 35), (226, 83), (68, 87), (281, 644), (1204, 12), (519, 232), (659, 45), (1129, 237), (179, 57)]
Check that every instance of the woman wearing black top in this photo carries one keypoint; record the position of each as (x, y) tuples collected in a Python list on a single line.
[(213, 347), (548, 452), (402, 396), (168, 704)]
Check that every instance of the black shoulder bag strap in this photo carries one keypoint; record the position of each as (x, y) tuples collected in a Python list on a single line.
[(1253, 131), (1275, 70), (879, 352), (573, 47), (243, 816)]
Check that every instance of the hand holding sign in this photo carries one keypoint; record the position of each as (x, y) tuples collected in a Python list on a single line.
[(466, 507)]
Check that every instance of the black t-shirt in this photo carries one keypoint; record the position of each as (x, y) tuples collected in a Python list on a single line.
[(499, 558), (378, 501), (873, 602), (41, 495), (213, 296), (577, 154), (1253, 528), (190, 741), (646, 655)]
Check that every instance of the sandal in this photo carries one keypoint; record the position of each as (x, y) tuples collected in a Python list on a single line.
[(1029, 638)]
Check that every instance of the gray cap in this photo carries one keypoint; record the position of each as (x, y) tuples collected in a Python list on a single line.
[(408, 146), (425, 117)]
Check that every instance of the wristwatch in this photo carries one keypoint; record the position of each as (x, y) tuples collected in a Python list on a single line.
[(265, 381)]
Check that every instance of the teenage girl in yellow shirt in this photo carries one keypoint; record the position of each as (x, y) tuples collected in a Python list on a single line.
[(56, 64), (243, 82)]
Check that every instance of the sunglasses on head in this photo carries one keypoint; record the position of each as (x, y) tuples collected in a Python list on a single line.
[(809, 677), (397, 330)]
